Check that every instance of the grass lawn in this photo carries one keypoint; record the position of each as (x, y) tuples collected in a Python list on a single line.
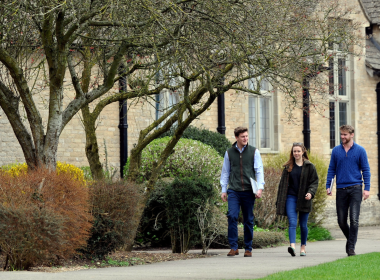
[(358, 267)]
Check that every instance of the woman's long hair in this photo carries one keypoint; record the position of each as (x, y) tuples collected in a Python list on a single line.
[(290, 163)]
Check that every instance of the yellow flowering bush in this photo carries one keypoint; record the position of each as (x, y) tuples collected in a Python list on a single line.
[(17, 169), (75, 172)]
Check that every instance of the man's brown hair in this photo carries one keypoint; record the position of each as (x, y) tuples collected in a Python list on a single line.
[(346, 127), (240, 129)]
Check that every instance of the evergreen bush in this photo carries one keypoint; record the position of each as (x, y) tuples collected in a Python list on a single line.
[(214, 139), (182, 199), (189, 158), (153, 228)]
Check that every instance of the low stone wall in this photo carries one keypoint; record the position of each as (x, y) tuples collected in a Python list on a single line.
[(369, 213)]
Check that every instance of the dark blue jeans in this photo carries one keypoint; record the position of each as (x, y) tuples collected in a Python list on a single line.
[(291, 212), (246, 201), (349, 200)]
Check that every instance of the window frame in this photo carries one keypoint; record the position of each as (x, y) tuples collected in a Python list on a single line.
[(337, 99), (252, 127)]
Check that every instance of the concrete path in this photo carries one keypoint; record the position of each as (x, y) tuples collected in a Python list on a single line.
[(262, 263)]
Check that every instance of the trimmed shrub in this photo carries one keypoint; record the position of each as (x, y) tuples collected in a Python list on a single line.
[(319, 201), (182, 199), (190, 158), (214, 139), (153, 228), (113, 207), (43, 216)]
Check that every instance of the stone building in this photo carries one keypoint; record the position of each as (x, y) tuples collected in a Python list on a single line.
[(354, 102)]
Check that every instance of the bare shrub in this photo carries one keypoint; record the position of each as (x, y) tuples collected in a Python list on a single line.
[(209, 221), (43, 216), (265, 207)]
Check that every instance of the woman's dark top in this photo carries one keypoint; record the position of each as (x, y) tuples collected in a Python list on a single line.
[(294, 180)]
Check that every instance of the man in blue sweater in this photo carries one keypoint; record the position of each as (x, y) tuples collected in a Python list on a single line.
[(349, 163)]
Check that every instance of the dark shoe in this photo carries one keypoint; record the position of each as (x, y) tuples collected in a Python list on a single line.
[(292, 251), (247, 253), (351, 252), (233, 253)]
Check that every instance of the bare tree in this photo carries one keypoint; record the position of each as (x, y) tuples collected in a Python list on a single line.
[(196, 43)]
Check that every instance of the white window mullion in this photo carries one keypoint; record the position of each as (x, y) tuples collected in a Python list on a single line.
[(340, 97), (258, 134)]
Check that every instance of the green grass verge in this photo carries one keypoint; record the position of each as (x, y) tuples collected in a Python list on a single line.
[(358, 267)]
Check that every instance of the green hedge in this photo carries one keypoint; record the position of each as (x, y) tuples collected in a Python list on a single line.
[(182, 199), (214, 139), (189, 158)]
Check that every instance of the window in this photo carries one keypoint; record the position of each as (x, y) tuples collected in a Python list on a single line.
[(260, 116), (339, 103), (167, 98)]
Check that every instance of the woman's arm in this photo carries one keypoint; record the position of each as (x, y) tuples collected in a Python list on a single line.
[(313, 181)]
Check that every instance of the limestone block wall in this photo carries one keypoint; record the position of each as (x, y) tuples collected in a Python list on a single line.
[(236, 114), (10, 150), (369, 213)]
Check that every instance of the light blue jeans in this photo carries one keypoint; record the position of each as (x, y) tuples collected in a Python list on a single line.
[(291, 212)]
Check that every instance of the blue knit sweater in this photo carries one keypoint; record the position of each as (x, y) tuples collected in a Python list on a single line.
[(348, 167)]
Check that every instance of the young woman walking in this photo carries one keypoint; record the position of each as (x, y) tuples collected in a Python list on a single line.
[(298, 185)]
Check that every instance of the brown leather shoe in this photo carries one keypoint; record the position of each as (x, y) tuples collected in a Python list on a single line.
[(247, 253), (233, 253)]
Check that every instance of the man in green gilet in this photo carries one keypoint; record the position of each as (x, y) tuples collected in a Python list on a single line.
[(241, 163)]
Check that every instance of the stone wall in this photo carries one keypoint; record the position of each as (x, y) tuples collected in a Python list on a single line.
[(369, 213)]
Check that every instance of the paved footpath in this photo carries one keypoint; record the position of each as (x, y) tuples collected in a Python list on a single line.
[(262, 263)]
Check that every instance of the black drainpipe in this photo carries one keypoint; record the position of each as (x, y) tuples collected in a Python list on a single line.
[(123, 126), (221, 111), (306, 115), (378, 135), (221, 115)]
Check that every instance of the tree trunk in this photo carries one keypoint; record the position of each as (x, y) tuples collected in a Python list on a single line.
[(134, 164), (92, 148), (128, 246), (175, 241)]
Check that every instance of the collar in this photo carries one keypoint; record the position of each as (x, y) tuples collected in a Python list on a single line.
[(236, 146), (348, 147)]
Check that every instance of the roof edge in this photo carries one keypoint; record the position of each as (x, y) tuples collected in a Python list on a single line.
[(365, 12)]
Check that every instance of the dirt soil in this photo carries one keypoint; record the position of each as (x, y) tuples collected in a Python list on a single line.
[(119, 258)]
